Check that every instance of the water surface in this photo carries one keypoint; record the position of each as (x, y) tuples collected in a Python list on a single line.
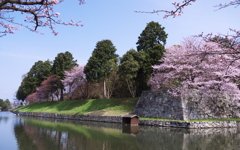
[(22, 133)]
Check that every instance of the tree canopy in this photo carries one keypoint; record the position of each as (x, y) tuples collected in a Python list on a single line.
[(44, 79), (130, 64), (4, 105), (63, 62), (102, 62), (74, 78), (36, 75), (151, 44), (152, 35), (185, 68), (232, 37), (48, 89)]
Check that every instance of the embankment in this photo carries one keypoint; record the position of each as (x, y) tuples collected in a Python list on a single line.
[(118, 119), (107, 110)]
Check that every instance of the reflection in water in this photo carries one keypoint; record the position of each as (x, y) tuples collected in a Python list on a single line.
[(130, 129), (193, 139), (7, 136), (47, 134), (3, 119), (64, 135)]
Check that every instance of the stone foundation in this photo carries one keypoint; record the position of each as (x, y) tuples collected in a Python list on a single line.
[(191, 125), (113, 119), (118, 119), (160, 104)]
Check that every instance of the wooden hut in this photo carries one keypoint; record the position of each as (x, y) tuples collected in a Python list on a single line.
[(130, 119)]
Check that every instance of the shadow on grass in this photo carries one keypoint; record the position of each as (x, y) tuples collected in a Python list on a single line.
[(36, 106), (125, 104), (52, 106), (70, 104), (82, 106)]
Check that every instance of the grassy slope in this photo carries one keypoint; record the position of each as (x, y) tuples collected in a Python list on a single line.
[(108, 107), (90, 106)]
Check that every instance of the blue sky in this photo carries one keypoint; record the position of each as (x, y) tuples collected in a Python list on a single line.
[(105, 19)]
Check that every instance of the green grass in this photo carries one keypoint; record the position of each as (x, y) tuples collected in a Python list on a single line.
[(118, 106), (107, 107), (161, 119)]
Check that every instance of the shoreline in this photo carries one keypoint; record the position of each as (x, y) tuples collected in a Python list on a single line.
[(118, 119)]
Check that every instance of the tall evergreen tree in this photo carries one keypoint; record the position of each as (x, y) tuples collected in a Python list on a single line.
[(151, 44), (63, 62), (102, 62), (129, 65), (152, 35), (38, 73), (24, 89)]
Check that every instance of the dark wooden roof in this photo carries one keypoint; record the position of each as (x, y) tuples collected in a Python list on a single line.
[(130, 116)]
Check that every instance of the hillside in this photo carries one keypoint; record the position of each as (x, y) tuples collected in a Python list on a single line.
[(106, 107)]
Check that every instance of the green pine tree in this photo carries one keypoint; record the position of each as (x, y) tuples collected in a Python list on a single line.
[(36, 75), (101, 64), (151, 44), (63, 62), (129, 66)]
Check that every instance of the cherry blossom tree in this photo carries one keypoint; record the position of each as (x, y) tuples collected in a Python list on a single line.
[(39, 13), (48, 89), (188, 66), (232, 39), (32, 98), (74, 78)]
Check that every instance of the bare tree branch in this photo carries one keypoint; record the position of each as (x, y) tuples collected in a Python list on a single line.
[(41, 13)]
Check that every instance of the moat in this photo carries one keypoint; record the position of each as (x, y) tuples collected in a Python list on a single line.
[(27, 133)]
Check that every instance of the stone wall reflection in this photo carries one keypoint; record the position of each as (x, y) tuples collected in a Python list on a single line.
[(213, 138), (189, 139)]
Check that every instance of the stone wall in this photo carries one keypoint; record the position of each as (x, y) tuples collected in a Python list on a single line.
[(191, 125), (118, 119), (113, 119), (156, 104), (199, 106)]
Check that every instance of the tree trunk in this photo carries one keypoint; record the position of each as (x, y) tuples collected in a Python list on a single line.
[(131, 87), (104, 89), (61, 97), (86, 89), (52, 96)]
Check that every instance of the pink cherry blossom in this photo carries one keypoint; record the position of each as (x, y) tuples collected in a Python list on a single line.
[(199, 65), (73, 79), (38, 13)]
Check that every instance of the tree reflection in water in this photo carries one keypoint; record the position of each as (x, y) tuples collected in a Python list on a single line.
[(3, 119), (49, 134)]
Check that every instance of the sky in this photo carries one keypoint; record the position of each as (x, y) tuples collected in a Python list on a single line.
[(104, 19)]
